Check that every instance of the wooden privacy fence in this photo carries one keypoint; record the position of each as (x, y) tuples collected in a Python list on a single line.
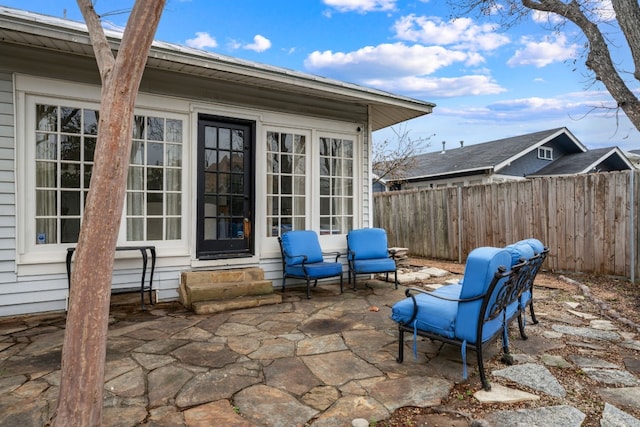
[(589, 222)]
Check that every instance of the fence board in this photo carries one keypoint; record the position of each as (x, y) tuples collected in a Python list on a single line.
[(584, 220)]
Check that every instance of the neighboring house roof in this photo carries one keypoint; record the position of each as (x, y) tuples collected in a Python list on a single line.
[(386, 109), (606, 159), (489, 156)]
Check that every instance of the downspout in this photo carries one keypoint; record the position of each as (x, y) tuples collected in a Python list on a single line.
[(632, 256)]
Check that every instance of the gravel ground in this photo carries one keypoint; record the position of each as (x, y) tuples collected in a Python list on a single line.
[(610, 298)]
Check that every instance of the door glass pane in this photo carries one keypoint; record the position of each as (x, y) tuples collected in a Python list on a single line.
[(210, 225), (224, 141)]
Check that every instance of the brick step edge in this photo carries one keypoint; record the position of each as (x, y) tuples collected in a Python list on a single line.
[(218, 306)]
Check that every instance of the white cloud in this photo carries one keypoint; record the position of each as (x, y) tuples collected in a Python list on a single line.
[(385, 60), (361, 6), (551, 49), (260, 44), (461, 33), (546, 18), (202, 41), (439, 87)]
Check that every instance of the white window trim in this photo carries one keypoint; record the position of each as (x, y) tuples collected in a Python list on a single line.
[(545, 153), (32, 90)]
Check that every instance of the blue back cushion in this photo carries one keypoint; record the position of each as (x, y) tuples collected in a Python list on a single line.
[(304, 242), (482, 263), (519, 250), (535, 244), (368, 243)]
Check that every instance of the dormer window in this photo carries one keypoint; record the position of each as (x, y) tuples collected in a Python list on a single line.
[(545, 153)]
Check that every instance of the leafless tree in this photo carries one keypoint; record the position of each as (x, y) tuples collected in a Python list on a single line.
[(597, 21), (392, 158), (84, 349)]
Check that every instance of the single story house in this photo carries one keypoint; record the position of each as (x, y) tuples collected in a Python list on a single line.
[(553, 152), (227, 154)]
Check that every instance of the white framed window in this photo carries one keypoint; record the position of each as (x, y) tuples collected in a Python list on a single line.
[(297, 168), (55, 161), (545, 153), (336, 185), (154, 182), (286, 182)]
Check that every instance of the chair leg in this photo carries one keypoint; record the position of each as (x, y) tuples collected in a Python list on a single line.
[(523, 334), (395, 278), (533, 314), (483, 376), (341, 285), (400, 357), (309, 288), (283, 279)]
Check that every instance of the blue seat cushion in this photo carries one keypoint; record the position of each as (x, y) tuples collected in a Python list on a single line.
[(316, 270), (434, 315), (367, 243), (379, 265)]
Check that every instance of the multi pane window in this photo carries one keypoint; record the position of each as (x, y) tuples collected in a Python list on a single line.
[(336, 185), (65, 141), (545, 153), (286, 182), (154, 184)]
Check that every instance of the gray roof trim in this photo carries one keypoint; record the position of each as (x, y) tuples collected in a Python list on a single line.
[(32, 29)]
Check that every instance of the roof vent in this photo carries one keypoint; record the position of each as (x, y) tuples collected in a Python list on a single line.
[(443, 144), (461, 144)]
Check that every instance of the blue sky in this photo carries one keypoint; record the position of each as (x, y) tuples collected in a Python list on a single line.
[(487, 83)]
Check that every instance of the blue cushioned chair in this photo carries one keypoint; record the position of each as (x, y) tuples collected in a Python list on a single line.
[(535, 257), (367, 253), (302, 258), (471, 314)]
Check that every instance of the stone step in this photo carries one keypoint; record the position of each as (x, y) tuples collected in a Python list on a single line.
[(222, 285), (209, 307), (219, 276)]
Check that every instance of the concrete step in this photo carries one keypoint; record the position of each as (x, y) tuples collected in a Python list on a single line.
[(209, 307)]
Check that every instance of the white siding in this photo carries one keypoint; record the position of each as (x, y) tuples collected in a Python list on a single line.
[(7, 181)]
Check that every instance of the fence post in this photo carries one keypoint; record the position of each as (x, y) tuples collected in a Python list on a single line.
[(459, 224)]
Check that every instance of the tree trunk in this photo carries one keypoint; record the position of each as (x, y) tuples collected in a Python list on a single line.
[(83, 354)]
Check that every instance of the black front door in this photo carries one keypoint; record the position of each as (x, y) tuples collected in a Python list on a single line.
[(225, 187)]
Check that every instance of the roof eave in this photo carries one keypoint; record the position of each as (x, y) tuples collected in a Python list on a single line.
[(387, 109)]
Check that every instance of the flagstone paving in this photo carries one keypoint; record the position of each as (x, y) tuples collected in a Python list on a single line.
[(327, 361)]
